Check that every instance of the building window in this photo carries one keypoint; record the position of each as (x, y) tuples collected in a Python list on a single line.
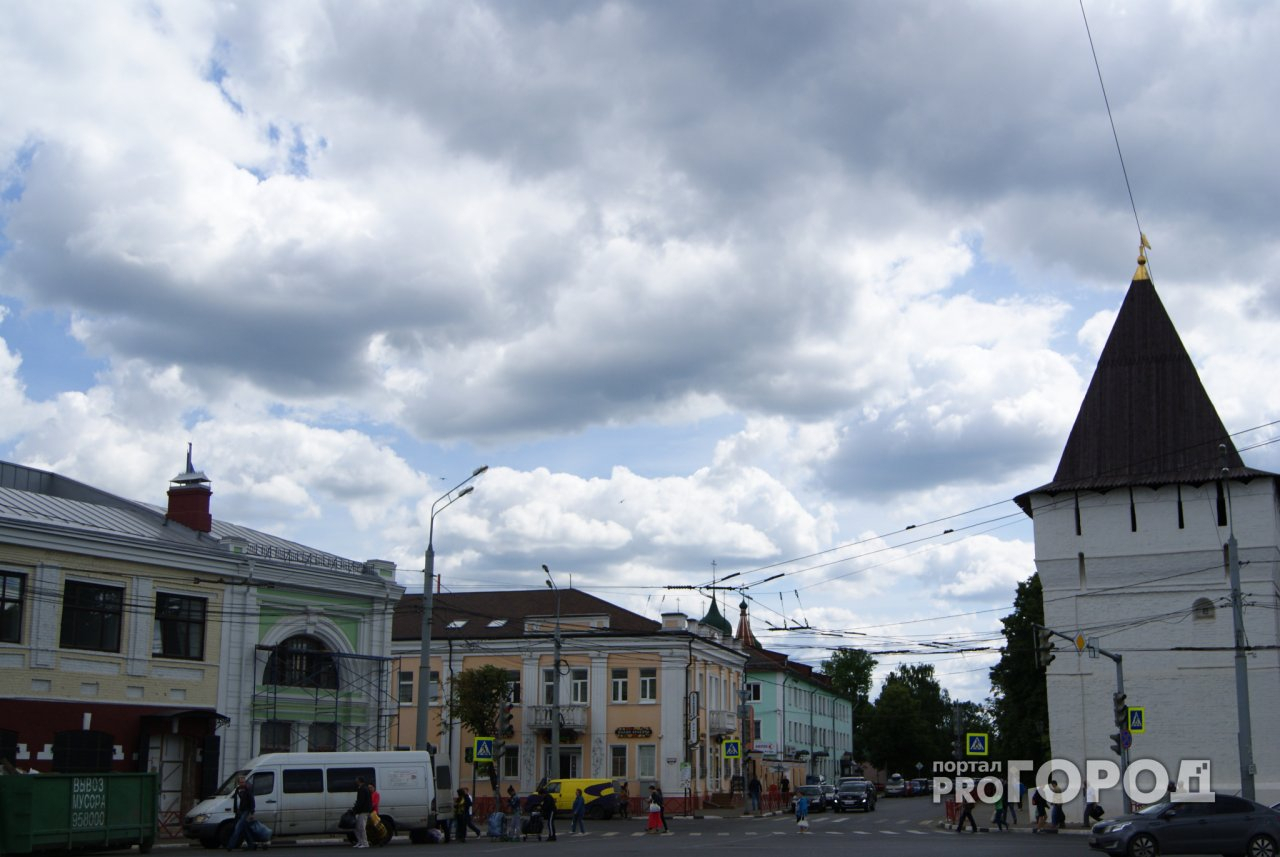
[(1203, 608), (12, 586), (619, 685), (753, 691), (647, 761), (322, 737), (91, 617), (433, 695), (302, 662), (179, 628), (578, 687), (618, 761), (649, 684), (513, 686), (548, 686), (275, 737), (511, 762), (405, 690)]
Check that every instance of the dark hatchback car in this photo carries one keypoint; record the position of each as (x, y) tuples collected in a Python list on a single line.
[(856, 796), (1225, 825)]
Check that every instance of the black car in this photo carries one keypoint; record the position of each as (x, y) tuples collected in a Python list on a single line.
[(817, 798), (1224, 825), (856, 796)]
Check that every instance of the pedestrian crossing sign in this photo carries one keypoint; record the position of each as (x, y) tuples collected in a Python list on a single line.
[(976, 743), (1137, 719), (732, 749), (483, 751)]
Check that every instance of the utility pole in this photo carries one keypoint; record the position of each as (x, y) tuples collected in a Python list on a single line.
[(554, 767), (1244, 735)]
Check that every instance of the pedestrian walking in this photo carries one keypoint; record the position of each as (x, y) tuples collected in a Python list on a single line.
[(1041, 808), (964, 800), (579, 824), (753, 791), (1014, 803), (549, 813), (460, 820), (1057, 815), (624, 800), (515, 824), (655, 796), (363, 806), (471, 811), (654, 825), (1092, 810), (243, 806), (998, 818), (802, 814)]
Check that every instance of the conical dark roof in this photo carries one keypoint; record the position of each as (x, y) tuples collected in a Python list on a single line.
[(1146, 418), (716, 620)]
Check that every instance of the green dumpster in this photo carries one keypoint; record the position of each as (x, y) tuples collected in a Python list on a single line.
[(64, 812)]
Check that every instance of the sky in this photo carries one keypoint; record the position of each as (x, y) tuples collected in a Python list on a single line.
[(718, 291)]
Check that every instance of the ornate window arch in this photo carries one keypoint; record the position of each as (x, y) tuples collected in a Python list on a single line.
[(1203, 609), (302, 661)]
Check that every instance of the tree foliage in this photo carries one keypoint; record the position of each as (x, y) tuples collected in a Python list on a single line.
[(1019, 703), (910, 722), (850, 671), (476, 698)]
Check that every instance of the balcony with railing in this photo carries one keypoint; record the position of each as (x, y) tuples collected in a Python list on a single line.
[(571, 716), (722, 722)]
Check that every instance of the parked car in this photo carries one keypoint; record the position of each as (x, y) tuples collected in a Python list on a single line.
[(895, 786), (817, 798), (856, 795), (829, 795), (1225, 825), (920, 786)]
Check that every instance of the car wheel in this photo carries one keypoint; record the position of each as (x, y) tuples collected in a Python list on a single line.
[(1143, 845), (1260, 846)]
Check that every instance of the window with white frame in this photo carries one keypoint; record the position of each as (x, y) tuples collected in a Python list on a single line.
[(578, 686), (649, 684), (618, 761), (753, 691), (513, 686), (433, 682), (647, 761), (405, 687), (619, 684), (511, 762), (548, 686)]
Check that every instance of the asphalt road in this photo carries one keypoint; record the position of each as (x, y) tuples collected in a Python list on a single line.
[(903, 826)]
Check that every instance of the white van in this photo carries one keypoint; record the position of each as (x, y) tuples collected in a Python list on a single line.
[(303, 794)]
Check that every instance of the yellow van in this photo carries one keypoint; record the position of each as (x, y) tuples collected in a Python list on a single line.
[(601, 802)]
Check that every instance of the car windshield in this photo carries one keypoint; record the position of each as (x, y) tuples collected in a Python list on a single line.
[(229, 786), (853, 789), (810, 790), (1155, 809)]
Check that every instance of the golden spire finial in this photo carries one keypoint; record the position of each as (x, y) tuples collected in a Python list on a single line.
[(1143, 246)]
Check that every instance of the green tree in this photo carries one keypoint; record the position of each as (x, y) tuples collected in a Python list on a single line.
[(1019, 704), (476, 698), (933, 738), (893, 728), (850, 671)]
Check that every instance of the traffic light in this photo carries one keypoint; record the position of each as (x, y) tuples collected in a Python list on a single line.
[(1044, 647), (1121, 710), (505, 727), (1117, 743)]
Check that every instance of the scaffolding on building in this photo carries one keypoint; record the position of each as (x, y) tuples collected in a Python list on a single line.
[(351, 694)]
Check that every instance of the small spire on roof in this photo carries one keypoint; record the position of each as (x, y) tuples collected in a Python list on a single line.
[(190, 476), (1143, 246)]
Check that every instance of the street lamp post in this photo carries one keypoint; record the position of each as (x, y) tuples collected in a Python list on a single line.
[(429, 571), (554, 767)]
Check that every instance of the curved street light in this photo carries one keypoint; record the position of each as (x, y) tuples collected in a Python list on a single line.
[(429, 570)]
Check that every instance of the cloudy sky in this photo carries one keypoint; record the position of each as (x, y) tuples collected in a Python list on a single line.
[(713, 288)]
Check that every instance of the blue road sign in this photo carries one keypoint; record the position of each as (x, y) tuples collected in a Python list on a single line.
[(732, 749), (975, 743), (483, 750), (1126, 739), (1137, 719)]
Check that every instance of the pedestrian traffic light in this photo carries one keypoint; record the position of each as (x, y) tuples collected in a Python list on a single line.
[(1044, 647), (1121, 710), (505, 727), (1117, 743)]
